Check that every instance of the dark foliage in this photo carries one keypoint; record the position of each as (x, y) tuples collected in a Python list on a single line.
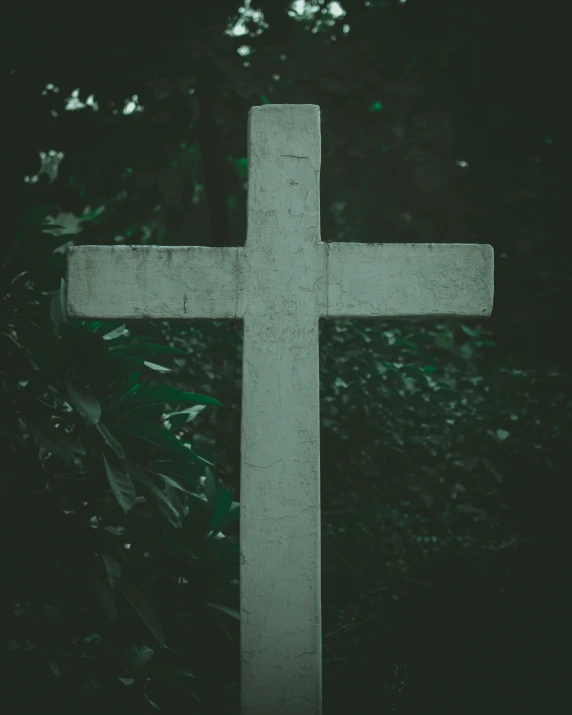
[(105, 519)]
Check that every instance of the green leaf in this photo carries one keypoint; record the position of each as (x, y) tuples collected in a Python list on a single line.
[(12, 644), (187, 475), (116, 332), (139, 656), (121, 485), (210, 486), (177, 420), (225, 609), (135, 387), (181, 417), (164, 504), (469, 331), (168, 394), (493, 470), (58, 307), (232, 515), (103, 596), (152, 703), (195, 525), (111, 441), (221, 506), (205, 461), (172, 494), (8, 349), (140, 603), (406, 343), (150, 412), (157, 368), (112, 569), (85, 403), (54, 440), (91, 215), (126, 681), (181, 483), (63, 301), (157, 436)]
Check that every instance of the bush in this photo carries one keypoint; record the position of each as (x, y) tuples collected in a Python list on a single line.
[(120, 588)]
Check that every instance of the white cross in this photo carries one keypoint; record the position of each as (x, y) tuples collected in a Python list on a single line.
[(280, 283)]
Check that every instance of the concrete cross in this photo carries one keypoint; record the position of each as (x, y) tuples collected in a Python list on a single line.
[(280, 283)]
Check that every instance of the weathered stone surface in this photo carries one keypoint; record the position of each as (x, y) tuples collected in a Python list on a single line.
[(280, 283)]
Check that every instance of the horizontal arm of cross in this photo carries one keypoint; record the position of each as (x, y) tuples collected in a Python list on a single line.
[(392, 280), (409, 280), (168, 282)]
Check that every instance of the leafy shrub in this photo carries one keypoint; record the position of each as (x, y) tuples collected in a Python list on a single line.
[(444, 470), (120, 588)]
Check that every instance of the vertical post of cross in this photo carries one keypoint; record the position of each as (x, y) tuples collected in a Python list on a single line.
[(284, 294)]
